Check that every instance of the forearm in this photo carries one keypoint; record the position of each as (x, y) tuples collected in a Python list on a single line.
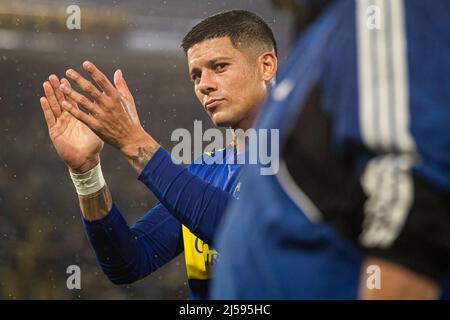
[(195, 203), (140, 150), (97, 205), (127, 254)]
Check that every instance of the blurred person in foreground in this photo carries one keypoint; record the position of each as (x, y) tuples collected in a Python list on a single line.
[(232, 60), (361, 205)]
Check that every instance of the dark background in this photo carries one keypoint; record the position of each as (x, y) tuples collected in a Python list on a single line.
[(41, 232)]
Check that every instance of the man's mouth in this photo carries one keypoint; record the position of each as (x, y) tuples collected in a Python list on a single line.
[(212, 103)]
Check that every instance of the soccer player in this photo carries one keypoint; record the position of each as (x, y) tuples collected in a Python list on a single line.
[(366, 146), (232, 61)]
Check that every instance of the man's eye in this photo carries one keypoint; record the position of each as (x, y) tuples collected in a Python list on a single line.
[(221, 67), (195, 77)]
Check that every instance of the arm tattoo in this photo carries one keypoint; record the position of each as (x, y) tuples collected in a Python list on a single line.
[(141, 158), (97, 205)]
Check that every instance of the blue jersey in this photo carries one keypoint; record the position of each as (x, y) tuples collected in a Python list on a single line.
[(192, 203), (363, 108), (200, 256)]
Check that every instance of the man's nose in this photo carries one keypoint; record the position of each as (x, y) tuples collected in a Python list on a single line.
[(207, 83)]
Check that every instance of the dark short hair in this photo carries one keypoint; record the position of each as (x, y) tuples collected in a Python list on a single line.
[(242, 27)]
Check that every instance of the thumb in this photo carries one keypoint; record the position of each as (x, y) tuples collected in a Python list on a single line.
[(121, 85)]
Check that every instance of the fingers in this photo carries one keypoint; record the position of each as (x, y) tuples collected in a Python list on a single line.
[(84, 84), (54, 82), (87, 119), (66, 82), (67, 98), (100, 79), (121, 84), (52, 100), (48, 113), (79, 98)]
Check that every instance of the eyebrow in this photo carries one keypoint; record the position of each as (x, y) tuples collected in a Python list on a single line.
[(210, 63), (213, 61)]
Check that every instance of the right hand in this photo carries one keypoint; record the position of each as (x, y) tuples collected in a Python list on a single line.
[(74, 142)]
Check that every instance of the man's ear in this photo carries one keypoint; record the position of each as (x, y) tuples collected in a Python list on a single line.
[(269, 64)]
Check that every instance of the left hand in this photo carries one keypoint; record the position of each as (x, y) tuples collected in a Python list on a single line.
[(112, 113)]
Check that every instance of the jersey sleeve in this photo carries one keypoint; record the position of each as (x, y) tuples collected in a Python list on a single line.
[(127, 254), (197, 204)]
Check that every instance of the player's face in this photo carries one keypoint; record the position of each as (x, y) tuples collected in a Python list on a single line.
[(228, 82)]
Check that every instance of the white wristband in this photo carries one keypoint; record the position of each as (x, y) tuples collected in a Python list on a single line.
[(88, 182)]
